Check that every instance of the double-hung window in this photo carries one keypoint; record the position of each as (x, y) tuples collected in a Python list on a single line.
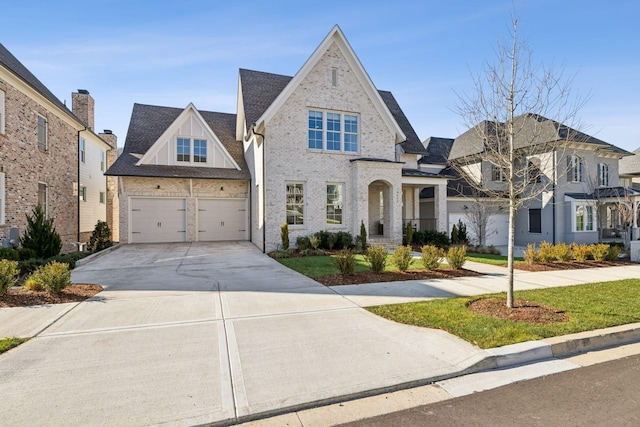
[(295, 203), (603, 174), (497, 174), (333, 131), (200, 150), (42, 133), (103, 164), (334, 203), (584, 218), (574, 168), (82, 150)]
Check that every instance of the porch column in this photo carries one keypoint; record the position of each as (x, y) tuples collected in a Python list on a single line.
[(416, 207), (440, 207), (634, 222)]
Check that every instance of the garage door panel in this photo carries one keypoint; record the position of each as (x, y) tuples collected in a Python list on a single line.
[(158, 220), (222, 219)]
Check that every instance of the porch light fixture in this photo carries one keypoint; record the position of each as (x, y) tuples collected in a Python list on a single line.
[(158, 186)]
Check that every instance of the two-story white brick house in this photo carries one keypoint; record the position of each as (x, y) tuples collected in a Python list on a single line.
[(322, 150)]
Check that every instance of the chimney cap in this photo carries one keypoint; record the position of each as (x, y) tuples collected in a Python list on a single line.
[(107, 132), (83, 91)]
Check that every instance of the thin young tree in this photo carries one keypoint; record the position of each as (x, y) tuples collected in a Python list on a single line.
[(510, 135)]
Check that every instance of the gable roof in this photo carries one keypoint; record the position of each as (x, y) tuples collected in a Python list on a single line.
[(534, 129), (438, 150), (11, 63), (149, 122), (412, 144), (335, 36)]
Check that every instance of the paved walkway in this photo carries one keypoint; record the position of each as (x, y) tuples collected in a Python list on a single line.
[(187, 334)]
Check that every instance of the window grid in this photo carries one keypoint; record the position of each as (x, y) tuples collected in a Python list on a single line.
[(575, 168), (332, 131), (584, 218), (496, 174), (82, 150), (315, 130), (183, 150), (200, 150), (334, 203), (603, 174), (350, 133), (295, 204)]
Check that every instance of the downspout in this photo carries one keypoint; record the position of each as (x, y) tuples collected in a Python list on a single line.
[(78, 195), (264, 190)]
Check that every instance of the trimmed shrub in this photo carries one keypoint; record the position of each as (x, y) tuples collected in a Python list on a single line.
[(456, 256), (454, 234), (345, 261), (363, 237), (409, 233), (599, 251), (53, 277), (431, 256), (100, 238), (345, 239), (579, 252), (280, 254), (314, 241), (30, 265), (530, 254), (303, 243), (332, 239), (40, 235), (284, 235), (69, 258), (437, 238), (545, 252), (376, 256), (401, 257), (9, 254), (26, 253), (612, 253), (562, 252), (8, 275)]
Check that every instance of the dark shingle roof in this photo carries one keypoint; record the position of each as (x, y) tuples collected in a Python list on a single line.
[(438, 150), (412, 145), (630, 165), (605, 193), (457, 186), (148, 123), (420, 173), (260, 89), (11, 62), (534, 129)]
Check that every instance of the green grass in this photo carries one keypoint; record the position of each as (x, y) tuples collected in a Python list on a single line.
[(589, 307), (492, 259), (7, 344), (317, 266)]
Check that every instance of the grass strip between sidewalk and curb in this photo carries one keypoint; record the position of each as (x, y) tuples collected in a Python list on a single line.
[(589, 307), (8, 343)]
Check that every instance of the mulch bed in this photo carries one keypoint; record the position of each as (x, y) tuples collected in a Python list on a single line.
[(523, 311), (393, 276), (21, 297), (569, 265)]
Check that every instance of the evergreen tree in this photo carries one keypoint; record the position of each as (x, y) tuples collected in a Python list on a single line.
[(41, 236)]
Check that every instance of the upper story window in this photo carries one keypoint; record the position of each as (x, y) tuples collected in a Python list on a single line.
[(333, 131), (42, 133), (82, 150), (2, 114), (184, 151), (103, 164), (534, 173), (83, 194), (295, 203), (574, 168), (603, 174), (497, 174)]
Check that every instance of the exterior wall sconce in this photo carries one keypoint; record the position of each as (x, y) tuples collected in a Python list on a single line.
[(158, 186)]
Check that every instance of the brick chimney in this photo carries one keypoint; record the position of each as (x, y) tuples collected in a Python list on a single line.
[(82, 105)]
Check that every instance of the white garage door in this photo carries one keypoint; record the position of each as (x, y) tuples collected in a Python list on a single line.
[(222, 219), (497, 228), (158, 220)]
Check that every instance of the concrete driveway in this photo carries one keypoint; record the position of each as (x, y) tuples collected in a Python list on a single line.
[(194, 333)]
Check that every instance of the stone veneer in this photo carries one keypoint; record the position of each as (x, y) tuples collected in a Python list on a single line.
[(191, 190), (24, 165)]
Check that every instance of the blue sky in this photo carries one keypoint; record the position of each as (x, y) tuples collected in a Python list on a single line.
[(175, 52)]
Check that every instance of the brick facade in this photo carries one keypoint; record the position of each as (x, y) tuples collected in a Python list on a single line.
[(24, 165)]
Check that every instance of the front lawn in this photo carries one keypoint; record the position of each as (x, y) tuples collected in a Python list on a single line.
[(589, 307), (492, 259), (318, 266)]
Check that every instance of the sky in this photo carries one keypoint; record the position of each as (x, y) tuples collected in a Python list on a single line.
[(427, 53)]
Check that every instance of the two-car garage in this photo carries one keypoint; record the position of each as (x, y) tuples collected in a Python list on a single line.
[(166, 219)]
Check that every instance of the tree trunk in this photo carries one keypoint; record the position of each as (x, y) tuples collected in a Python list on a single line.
[(510, 252)]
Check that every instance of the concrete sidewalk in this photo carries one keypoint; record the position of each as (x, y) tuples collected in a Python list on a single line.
[(189, 334)]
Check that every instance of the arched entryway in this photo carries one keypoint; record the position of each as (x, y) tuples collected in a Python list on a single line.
[(380, 200)]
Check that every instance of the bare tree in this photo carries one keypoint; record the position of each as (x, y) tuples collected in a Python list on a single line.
[(512, 150), (479, 215)]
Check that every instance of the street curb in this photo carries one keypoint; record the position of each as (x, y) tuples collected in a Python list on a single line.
[(97, 255), (495, 358)]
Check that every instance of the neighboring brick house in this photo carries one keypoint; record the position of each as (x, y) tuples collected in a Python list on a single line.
[(322, 150), (578, 204), (39, 155)]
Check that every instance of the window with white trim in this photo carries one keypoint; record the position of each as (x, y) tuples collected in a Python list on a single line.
[(603, 174), (333, 131), (574, 169), (82, 150), (83, 194), (497, 174), (187, 149), (2, 113), (583, 218), (102, 197), (295, 203), (183, 150), (42, 133), (334, 203), (103, 163), (200, 150)]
